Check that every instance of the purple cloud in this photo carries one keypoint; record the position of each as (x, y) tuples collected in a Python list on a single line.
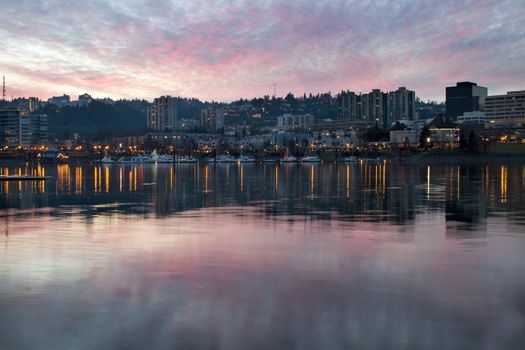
[(230, 49)]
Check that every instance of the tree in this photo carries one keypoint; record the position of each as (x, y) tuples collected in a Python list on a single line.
[(376, 134), (474, 142), (463, 143), (424, 136)]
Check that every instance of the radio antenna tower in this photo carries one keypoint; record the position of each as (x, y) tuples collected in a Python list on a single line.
[(3, 88), (274, 93)]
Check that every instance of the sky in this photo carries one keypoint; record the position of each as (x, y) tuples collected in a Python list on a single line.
[(225, 50)]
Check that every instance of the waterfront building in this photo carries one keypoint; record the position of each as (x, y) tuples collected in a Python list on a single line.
[(289, 122), (32, 130), (162, 114), (22, 129), (444, 132), (404, 135), (472, 118), (212, 119), (464, 97), (505, 110), (9, 127)]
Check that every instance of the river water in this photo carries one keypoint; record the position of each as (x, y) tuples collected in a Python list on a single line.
[(327, 256)]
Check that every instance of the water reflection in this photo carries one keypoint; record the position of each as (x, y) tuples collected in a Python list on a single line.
[(369, 192), (263, 256)]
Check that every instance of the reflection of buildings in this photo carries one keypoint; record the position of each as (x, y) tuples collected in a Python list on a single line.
[(374, 192)]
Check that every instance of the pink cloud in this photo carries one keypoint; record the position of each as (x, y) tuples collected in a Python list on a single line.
[(240, 49)]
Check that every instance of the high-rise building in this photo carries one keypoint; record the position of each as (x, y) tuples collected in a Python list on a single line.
[(162, 114), (464, 97), (373, 106), (212, 119), (377, 107), (32, 130), (22, 129), (349, 104), (37, 130), (9, 127), (505, 110), (401, 105)]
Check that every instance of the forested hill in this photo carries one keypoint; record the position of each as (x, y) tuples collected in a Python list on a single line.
[(97, 119)]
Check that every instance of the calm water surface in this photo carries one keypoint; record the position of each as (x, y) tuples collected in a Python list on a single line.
[(329, 256)]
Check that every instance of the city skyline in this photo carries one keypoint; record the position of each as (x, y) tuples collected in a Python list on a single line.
[(239, 50)]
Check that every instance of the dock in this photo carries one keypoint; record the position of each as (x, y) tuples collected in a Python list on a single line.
[(23, 178)]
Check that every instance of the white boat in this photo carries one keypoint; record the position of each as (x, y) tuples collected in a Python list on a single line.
[(246, 159), (142, 159), (289, 159), (372, 160), (223, 158), (185, 159), (311, 159), (164, 158), (124, 160), (160, 158), (350, 159), (106, 160), (135, 159), (208, 160)]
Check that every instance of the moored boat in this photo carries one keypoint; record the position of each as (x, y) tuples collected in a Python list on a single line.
[(311, 159)]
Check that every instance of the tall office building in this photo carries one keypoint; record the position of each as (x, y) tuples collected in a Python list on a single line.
[(38, 130), (506, 110), (162, 114), (212, 119), (9, 127), (22, 129), (464, 97)]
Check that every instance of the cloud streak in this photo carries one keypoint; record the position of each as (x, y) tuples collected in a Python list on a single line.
[(224, 50)]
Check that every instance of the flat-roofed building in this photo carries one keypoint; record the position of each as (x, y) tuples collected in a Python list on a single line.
[(22, 129), (288, 122), (464, 97), (477, 118), (9, 127), (505, 110)]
